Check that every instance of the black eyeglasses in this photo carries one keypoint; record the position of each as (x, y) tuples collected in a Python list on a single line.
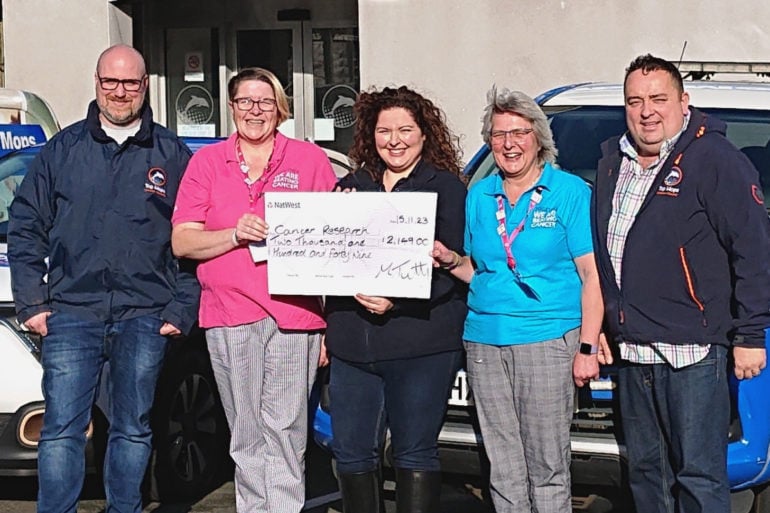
[(265, 104), (129, 84)]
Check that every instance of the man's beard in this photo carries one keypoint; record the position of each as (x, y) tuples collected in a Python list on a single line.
[(119, 118)]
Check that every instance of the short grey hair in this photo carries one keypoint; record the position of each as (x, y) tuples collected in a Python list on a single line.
[(516, 102)]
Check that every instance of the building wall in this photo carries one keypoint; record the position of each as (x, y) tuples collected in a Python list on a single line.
[(51, 48), (454, 50)]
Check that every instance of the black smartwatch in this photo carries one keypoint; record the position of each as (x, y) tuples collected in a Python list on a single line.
[(586, 348)]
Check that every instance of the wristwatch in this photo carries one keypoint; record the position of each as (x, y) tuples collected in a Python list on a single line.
[(586, 348)]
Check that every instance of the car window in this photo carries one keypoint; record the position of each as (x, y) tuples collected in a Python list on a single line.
[(480, 167), (579, 131)]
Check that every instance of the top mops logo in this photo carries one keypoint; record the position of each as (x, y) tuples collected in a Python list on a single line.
[(156, 180)]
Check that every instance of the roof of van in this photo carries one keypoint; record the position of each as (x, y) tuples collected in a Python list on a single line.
[(36, 111), (14, 98), (729, 95)]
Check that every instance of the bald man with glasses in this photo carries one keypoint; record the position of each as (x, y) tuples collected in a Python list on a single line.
[(93, 274)]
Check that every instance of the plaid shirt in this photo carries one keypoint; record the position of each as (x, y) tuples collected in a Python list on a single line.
[(634, 183)]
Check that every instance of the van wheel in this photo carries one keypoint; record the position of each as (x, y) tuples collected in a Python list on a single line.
[(191, 436)]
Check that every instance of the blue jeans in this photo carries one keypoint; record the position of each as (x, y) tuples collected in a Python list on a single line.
[(74, 353), (675, 423), (408, 395)]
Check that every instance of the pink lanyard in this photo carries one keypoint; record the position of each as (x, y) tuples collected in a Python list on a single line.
[(504, 236), (261, 181)]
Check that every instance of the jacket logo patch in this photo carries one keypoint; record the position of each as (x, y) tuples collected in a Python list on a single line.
[(756, 193), (670, 186), (286, 180), (544, 218), (156, 182)]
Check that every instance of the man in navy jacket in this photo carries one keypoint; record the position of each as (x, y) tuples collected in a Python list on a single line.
[(93, 273), (682, 241)]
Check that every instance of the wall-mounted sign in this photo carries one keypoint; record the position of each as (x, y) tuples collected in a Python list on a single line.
[(337, 104), (193, 67), (207, 130), (194, 106)]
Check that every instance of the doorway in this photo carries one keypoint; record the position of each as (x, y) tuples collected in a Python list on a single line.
[(192, 85), (313, 49), (319, 68)]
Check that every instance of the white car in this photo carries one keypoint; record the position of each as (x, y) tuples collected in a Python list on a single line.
[(25, 120), (190, 433)]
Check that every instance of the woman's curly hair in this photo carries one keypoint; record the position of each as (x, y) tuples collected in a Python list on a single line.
[(441, 148)]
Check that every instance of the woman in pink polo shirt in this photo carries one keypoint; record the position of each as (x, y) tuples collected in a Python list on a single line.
[(264, 349)]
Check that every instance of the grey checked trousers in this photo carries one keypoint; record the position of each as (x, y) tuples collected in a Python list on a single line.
[(264, 376), (524, 396)]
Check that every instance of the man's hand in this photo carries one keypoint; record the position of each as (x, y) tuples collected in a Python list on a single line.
[(38, 323), (323, 357), (749, 361), (169, 330), (585, 367), (605, 354)]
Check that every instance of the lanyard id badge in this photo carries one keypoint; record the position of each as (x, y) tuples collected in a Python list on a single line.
[(507, 239)]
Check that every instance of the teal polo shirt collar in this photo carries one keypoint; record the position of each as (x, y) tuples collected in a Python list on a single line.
[(495, 187)]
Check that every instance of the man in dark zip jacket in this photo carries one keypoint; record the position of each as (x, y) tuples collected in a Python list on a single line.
[(682, 241), (93, 273)]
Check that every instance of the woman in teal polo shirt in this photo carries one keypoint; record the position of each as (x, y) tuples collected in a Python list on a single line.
[(534, 306)]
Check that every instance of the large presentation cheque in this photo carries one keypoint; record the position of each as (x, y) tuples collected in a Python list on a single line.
[(339, 244)]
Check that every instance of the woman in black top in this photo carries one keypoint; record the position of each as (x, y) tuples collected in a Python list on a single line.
[(394, 360)]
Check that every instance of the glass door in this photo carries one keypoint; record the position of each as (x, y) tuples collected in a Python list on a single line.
[(319, 68), (336, 82), (192, 84)]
